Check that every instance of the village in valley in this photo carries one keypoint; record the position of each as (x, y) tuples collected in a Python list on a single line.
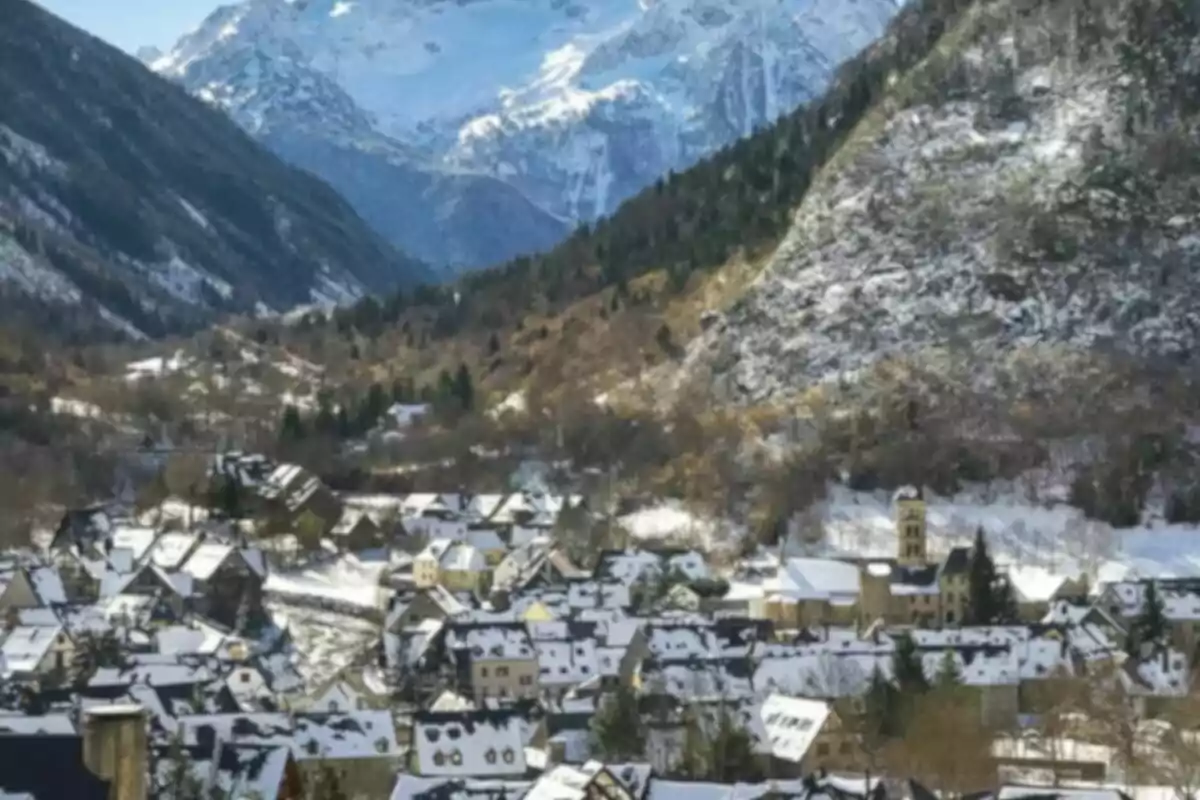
[(486, 646)]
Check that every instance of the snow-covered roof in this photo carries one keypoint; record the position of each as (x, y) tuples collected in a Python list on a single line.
[(206, 559), (792, 724), (170, 550), (310, 735), (158, 671), (819, 579), (489, 642), (462, 557), (484, 742), (195, 639), (699, 680), (1166, 673), (680, 642), (485, 539), (564, 659), (47, 585), (25, 646), (1034, 584), (12, 722)]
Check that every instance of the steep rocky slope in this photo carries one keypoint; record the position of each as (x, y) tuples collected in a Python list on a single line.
[(122, 196), (542, 114), (1033, 182)]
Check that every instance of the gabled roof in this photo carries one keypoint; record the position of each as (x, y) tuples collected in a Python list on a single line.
[(957, 561), (819, 579), (792, 724), (25, 646), (462, 743)]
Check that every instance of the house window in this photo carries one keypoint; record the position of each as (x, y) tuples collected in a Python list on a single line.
[(503, 692), (244, 677), (483, 672), (456, 758), (439, 758), (501, 672), (509, 755), (823, 749), (844, 748), (526, 680), (490, 755)]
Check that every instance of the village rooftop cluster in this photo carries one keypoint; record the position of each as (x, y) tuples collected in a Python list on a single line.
[(139, 654)]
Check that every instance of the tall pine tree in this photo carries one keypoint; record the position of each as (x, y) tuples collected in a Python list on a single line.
[(989, 596), (880, 719), (1150, 626), (907, 668), (949, 676), (617, 731)]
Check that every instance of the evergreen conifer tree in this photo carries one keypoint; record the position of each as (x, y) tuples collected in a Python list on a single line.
[(907, 668), (291, 429), (617, 731), (230, 498), (464, 389), (734, 759), (982, 584), (1151, 624), (880, 719), (949, 676)]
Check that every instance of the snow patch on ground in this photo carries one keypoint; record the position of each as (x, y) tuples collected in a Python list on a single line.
[(18, 267), (327, 292), (75, 408), (184, 282), (345, 580), (194, 214), (326, 641), (1052, 537), (24, 153), (669, 521)]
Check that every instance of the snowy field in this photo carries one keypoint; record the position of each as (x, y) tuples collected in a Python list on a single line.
[(348, 580), (1052, 535), (317, 604), (1034, 531)]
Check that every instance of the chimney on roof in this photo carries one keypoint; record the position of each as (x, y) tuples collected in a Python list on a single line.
[(115, 748)]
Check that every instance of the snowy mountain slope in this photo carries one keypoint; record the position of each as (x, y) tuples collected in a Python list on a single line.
[(573, 104), (1030, 185), (123, 196)]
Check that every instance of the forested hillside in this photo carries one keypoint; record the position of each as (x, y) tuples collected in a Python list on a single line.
[(640, 272)]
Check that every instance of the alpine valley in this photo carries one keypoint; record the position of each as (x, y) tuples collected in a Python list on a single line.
[(472, 132)]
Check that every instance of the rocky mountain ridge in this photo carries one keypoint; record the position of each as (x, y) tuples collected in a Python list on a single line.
[(552, 112), (1030, 186), (144, 210)]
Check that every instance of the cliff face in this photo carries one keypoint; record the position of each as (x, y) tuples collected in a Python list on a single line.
[(1030, 185)]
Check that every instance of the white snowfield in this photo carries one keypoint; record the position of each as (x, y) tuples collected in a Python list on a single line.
[(1038, 541)]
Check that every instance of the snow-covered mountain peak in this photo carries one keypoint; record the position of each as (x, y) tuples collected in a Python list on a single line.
[(575, 104)]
